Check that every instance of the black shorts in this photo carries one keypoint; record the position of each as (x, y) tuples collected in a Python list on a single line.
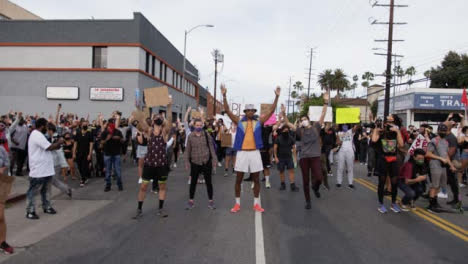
[(265, 159), (158, 174), (196, 170), (285, 164)]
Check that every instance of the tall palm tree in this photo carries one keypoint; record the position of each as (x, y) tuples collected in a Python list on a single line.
[(294, 95), (367, 77), (399, 72), (325, 79), (427, 74), (297, 88), (334, 80), (410, 72)]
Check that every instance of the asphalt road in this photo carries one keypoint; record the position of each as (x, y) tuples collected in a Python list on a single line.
[(343, 226)]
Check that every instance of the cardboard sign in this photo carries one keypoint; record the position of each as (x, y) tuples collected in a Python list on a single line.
[(158, 96), (226, 140), (316, 111), (348, 115), (195, 114), (140, 116), (265, 108)]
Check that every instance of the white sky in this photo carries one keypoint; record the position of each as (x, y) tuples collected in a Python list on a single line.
[(265, 41)]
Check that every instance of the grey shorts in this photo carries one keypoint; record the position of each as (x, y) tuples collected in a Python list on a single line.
[(141, 151), (438, 177)]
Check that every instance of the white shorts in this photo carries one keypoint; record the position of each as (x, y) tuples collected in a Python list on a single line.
[(249, 161), (141, 151)]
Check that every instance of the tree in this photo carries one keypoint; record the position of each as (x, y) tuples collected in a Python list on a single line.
[(374, 107), (399, 72), (297, 88), (452, 73), (335, 80), (427, 74), (368, 77), (410, 72), (354, 85)]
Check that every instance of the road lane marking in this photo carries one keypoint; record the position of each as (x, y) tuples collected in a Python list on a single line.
[(443, 224), (259, 243)]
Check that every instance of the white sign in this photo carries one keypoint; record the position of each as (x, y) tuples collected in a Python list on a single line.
[(68, 93), (316, 111), (106, 94)]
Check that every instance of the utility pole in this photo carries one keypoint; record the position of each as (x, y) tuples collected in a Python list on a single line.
[(218, 57), (390, 40), (310, 71)]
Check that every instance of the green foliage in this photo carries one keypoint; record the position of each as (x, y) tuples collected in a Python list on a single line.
[(374, 107), (335, 80), (452, 73)]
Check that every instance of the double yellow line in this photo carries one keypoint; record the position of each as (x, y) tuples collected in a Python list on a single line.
[(432, 218)]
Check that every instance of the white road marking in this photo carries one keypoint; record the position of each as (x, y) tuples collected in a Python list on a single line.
[(259, 245)]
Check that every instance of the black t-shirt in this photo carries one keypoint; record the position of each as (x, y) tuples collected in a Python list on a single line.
[(285, 145), (387, 145), (266, 132), (328, 139), (82, 142), (112, 147)]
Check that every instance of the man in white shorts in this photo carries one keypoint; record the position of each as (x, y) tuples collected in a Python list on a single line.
[(248, 143)]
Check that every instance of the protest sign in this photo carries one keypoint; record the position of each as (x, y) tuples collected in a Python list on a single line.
[(316, 111), (157, 96), (348, 115), (226, 140)]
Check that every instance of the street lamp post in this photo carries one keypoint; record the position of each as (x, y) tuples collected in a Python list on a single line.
[(184, 83)]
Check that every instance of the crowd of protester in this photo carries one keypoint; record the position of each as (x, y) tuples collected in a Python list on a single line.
[(65, 147)]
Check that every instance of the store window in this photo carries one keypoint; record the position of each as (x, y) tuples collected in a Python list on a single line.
[(100, 57)]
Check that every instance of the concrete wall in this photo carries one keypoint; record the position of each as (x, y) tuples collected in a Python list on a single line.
[(46, 57), (26, 91)]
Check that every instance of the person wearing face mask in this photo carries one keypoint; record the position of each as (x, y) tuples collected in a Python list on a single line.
[(83, 151), (156, 165), (309, 160), (111, 140), (438, 153), (41, 163), (200, 157), (284, 149), (345, 155), (413, 175), (19, 138), (386, 141)]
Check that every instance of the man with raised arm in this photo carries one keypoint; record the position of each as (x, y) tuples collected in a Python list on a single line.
[(248, 143)]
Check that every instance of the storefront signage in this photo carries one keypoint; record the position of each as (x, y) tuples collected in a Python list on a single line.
[(438, 101), (106, 94), (62, 93)]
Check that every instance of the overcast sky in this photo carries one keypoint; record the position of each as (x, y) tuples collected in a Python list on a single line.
[(265, 43)]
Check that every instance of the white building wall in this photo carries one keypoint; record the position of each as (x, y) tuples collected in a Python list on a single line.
[(123, 58), (46, 57)]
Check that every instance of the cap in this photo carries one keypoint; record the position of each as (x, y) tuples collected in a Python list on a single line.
[(250, 107), (442, 128)]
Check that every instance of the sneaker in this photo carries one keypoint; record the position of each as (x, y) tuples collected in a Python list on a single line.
[(351, 187), (189, 181), (442, 195), (7, 249), (461, 185), (226, 173), (140, 181), (258, 208), (294, 188), (308, 206), (330, 174), (326, 187), (190, 205), (283, 186), (50, 210), (219, 164), (338, 185), (175, 165), (404, 207), (395, 208), (32, 216), (162, 213), (236, 208), (434, 208), (382, 209), (369, 174), (317, 193), (69, 193), (120, 188), (268, 185), (211, 205), (155, 190), (107, 189), (138, 214), (81, 185)]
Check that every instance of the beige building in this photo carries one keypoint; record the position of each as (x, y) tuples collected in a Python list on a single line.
[(11, 11)]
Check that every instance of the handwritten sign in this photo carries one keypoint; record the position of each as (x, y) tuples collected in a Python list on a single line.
[(195, 114), (316, 111), (419, 143), (348, 115), (157, 96)]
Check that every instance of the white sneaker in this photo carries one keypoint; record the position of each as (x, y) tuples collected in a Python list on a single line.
[(461, 185), (219, 164), (140, 181), (442, 195), (189, 181), (268, 185), (175, 165)]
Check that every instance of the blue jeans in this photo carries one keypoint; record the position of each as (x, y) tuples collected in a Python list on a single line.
[(412, 192), (34, 185), (113, 162)]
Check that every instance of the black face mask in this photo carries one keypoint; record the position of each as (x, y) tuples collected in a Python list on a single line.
[(67, 138), (85, 127), (158, 122), (285, 133)]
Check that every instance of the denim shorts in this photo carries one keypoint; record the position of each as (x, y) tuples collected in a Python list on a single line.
[(230, 152), (464, 155)]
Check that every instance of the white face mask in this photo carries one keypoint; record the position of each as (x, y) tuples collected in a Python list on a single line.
[(305, 123)]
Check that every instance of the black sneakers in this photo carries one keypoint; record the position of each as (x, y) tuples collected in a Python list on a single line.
[(338, 185), (50, 210), (308, 206), (138, 214), (162, 213), (294, 188), (32, 216), (351, 187), (107, 189), (317, 193), (283, 186), (120, 188)]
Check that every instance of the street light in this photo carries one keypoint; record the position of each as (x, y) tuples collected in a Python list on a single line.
[(183, 67)]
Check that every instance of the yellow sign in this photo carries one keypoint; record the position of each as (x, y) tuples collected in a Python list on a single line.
[(348, 115)]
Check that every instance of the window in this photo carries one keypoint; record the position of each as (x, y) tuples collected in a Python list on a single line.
[(100, 57), (165, 72), (153, 66), (147, 62), (161, 70)]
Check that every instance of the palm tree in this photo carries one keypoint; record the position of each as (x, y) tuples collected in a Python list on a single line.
[(354, 85), (368, 77), (427, 74), (399, 72), (410, 72), (334, 80), (293, 97), (325, 79)]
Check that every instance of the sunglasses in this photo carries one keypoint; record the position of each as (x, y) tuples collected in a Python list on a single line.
[(250, 110)]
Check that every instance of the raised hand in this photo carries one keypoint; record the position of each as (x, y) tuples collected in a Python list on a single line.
[(278, 91), (283, 108), (223, 89)]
